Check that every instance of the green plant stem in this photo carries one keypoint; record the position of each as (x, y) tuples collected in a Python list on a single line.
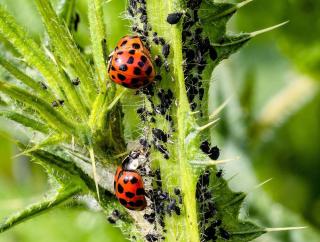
[(185, 226)]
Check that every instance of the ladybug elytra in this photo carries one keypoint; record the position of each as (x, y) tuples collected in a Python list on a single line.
[(129, 186), (130, 64)]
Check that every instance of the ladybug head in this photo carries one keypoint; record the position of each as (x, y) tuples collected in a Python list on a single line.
[(134, 160)]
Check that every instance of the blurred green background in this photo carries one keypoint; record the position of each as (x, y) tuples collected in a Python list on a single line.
[(272, 122)]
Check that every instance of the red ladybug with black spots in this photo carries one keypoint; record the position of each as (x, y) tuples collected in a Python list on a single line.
[(130, 64), (129, 186)]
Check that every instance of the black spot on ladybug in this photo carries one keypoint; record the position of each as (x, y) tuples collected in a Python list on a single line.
[(120, 188), (140, 191), (137, 71), (136, 46), (123, 67), (119, 52), (130, 60), (126, 180), (141, 64), (132, 52), (123, 202), (113, 77), (145, 82), (124, 43), (174, 18), (139, 203), (121, 77), (129, 194), (166, 50), (135, 81), (143, 59), (125, 84), (149, 71), (134, 180), (132, 204), (113, 68)]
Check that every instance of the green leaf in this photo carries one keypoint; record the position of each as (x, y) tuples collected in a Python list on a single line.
[(26, 121), (98, 35), (54, 139), (29, 49), (66, 51), (53, 117), (24, 78), (227, 206), (217, 15), (35, 57), (66, 9), (48, 203)]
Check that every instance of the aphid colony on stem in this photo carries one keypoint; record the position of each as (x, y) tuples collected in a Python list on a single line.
[(131, 65)]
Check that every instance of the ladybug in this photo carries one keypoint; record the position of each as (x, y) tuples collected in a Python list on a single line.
[(130, 63), (129, 187)]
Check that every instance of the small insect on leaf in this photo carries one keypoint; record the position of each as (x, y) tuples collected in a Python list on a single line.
[(174, 18)]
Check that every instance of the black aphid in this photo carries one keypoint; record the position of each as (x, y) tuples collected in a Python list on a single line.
[(174, 18), (166, 50)]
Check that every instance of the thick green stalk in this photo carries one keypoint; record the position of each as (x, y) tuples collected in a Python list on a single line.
[(185, 226)]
